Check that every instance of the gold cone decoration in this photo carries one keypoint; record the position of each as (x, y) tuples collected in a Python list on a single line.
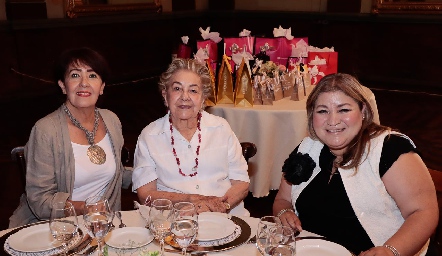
[(225, 83), (211, 100), (243, 85)]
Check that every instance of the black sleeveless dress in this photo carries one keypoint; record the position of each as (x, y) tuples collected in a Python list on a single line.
[(324, 207)]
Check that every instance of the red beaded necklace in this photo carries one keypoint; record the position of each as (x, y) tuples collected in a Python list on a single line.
[(172, 142)]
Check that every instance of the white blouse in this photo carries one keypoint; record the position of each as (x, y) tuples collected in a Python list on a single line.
[(220, 159), (92, 179)]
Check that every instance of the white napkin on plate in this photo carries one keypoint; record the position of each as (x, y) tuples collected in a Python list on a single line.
[(144, 210)]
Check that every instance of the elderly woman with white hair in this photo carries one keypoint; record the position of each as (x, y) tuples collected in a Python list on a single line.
[(189, 154)]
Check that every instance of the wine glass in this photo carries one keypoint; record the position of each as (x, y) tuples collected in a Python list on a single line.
[(97, 218), (281, 241), (161, 217), (263, 232), (185, 224), (63, 223)]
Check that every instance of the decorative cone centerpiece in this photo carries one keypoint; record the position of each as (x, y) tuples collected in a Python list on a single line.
[(243, 86), (225, 83)]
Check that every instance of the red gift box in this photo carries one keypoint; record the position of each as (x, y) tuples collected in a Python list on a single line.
[(321, 64), (211, 47), (239, 44), (279, 48), (184, 51)]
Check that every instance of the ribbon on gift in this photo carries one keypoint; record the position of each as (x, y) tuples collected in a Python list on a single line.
[(245, 32), (206, 34), (281, 32)]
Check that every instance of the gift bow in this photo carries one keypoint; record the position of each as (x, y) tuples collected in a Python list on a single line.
[(185, 39), (237, 57), (202, 54), (244, 32), (317, 61), (287, 33), (206, 34)]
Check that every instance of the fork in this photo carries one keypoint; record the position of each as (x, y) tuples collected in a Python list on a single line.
[(122, 225)]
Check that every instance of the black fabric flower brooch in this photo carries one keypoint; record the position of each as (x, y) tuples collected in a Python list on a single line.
[(298, 168)]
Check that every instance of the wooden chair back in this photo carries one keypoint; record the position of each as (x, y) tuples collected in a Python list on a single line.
[(248, 150)]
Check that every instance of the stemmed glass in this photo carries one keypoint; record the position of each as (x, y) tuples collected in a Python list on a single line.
[(263, 232), (63, 223), (161, 217), (97, 218), (185, 224)]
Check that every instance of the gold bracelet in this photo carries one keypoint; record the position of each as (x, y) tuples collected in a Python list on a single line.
[(392, 249), (283, 211), (227, 205)]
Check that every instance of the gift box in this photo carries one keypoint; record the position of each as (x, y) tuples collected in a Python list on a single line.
[(279, 49), (321, 64), (184, 51)]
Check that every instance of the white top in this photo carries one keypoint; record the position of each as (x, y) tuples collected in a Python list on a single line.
[(220, 159), (92, 179)]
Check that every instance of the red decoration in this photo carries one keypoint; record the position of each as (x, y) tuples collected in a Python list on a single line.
[(172, 142)]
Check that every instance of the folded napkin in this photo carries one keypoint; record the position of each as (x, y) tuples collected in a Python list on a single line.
[(144, 210), (206, 34)]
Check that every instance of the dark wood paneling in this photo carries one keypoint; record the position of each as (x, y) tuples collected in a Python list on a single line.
[(25, 10), (344, 6)]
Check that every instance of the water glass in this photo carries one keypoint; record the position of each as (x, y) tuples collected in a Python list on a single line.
[(63, 223), (161, 217), (185, 224), (263, 232), (98, 216), (281, 242)]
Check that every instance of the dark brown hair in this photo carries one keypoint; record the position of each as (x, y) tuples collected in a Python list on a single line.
[(78, 56)]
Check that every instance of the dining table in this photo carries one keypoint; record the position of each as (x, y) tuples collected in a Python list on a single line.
[(275, 129), (134, 218)]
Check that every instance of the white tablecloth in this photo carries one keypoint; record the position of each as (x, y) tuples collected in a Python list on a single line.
[(134, 219), (275, 129)]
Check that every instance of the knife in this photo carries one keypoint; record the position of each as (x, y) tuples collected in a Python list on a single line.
[(87, 239)]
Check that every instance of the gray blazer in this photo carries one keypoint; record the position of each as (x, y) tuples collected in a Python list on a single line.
[(50, 166)]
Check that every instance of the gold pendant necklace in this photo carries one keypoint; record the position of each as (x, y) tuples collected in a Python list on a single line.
[(95, 153)]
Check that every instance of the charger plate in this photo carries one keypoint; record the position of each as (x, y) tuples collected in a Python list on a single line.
[(30, 246)]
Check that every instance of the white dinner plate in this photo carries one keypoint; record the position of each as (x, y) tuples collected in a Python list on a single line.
[(213, 226), (319, 247), (129, 237), (36, 238)]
